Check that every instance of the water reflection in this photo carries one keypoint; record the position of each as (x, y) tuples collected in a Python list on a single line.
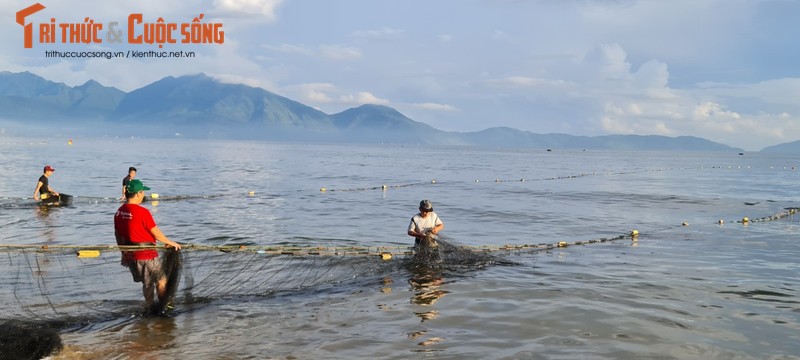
[(426, 286), (427, 276), (43, 213), (148, 335), (427, 281)]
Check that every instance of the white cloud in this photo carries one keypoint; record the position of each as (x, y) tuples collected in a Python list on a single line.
[(289, 49), (329, 96), (433, 106), (382, 33), (525, 81), (242, 79), (265, 8), (608, 61), (362, 98), (499, 35), (615, 96), (708, 119), (614, 126), (634, 109), (314, 94), (710, 110), (652, 75), (340, 53)]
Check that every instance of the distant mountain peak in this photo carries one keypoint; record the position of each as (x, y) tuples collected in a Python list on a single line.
[(375, 106), (199, 99), (90, 84)]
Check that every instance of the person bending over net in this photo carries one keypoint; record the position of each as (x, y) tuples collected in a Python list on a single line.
[(424, 227), (134, 225)]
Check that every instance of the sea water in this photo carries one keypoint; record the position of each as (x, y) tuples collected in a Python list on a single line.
[(687, 288)]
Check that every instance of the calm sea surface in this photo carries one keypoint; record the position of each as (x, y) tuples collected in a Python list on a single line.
[(696, 291)]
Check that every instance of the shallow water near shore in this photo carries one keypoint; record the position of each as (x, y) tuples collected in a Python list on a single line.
[(702, 290)]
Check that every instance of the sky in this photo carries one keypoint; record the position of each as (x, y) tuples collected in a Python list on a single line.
[(723, 70)]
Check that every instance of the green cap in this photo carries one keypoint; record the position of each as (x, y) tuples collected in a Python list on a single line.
[(135, 185)]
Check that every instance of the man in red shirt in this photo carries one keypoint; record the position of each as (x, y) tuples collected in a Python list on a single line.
[(134, 225)]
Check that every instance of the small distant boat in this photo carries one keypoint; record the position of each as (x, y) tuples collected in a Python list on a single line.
[(741, 153)]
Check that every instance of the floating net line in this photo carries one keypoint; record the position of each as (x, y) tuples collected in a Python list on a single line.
[(7, 202), (385, 187), (11, 202)]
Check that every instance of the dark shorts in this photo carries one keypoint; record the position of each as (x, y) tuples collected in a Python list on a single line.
[(147, 272)]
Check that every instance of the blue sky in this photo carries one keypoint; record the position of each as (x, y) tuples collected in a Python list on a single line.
[(724, 70)]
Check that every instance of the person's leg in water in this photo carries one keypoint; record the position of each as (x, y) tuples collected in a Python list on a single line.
[(161, 289), (154, 284), (158, 287), (148, 288)]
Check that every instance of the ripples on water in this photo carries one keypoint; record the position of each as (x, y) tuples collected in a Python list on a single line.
[(703, 291)]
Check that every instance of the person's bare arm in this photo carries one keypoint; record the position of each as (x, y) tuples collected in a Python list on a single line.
[(36, 192), (163, 238)]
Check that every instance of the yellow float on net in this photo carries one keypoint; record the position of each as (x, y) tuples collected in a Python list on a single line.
[(154, 196), (323, 189), (745, 220), (635, 233), (88, 253), (562, 244), (386, 256)]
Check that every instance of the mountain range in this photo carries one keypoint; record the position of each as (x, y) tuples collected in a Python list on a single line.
[(198, 106)]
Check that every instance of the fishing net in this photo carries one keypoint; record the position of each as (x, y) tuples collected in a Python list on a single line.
[(22, 340), (49, 289), (45, 284)]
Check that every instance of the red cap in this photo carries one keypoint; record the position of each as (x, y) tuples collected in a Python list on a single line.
[(48, 168)]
